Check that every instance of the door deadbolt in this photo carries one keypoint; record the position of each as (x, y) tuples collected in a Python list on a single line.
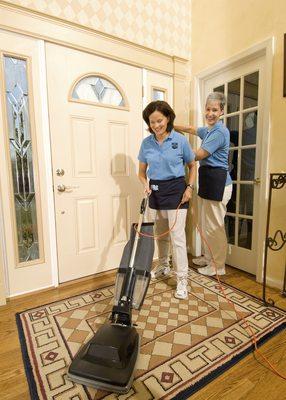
[(60, 172)]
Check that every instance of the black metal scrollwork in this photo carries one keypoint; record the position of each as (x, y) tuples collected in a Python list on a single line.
[(279, 182), (276, 243)]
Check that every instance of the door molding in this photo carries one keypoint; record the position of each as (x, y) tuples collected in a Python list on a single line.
[(263, 49), (4, 281), (55, 30)]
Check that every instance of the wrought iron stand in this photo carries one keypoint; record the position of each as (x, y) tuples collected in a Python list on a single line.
[(276, 243)]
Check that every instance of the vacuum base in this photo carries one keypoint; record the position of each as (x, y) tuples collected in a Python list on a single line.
[(107, 361), (101, 385)]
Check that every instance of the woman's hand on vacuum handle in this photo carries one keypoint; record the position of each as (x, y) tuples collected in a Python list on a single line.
[(147, 190), (187, 194)]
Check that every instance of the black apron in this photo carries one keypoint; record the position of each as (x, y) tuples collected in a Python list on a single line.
[(212, 182), (167, 194)]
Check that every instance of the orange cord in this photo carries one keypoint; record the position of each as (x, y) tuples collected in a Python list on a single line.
[(252, 335), (161, 234), (247, 327)]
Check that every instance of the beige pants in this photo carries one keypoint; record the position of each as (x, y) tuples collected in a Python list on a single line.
[(164, 220), (211, 222)]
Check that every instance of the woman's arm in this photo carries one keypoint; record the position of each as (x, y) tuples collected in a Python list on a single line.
[(188, 129), (143, 177), (192, 176), (201, 154)]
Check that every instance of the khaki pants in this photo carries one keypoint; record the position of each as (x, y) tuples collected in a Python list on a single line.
[(211, 222), (164, 220)]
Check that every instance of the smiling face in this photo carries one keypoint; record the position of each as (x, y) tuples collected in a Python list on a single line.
[(158, 123), (212, 112)]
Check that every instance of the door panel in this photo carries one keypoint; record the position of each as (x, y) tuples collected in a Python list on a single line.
[(95, 151), (244, 89), (23, 178)]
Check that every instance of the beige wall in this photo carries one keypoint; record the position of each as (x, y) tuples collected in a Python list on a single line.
[(224, 28), (159, 25)]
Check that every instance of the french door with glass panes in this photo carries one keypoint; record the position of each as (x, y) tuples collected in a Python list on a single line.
[(243, 87)]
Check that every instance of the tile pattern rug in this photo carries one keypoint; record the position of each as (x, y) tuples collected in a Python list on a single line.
[(184, 343)]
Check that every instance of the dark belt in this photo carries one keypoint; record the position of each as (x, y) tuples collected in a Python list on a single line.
[(212, 182), (167, 194)]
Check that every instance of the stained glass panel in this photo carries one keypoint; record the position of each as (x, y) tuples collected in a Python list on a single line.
[(19, 133), (98, 90)]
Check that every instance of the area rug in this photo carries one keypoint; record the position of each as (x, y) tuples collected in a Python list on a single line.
[(184, 343)]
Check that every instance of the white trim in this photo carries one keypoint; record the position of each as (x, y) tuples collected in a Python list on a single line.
[(273, 283), (48, 162), (4, 252), (54, 30), (31, 291), (266, 49), (258, 49), (269, 53)]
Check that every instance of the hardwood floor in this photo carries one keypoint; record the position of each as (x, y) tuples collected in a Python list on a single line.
[(248, 379)]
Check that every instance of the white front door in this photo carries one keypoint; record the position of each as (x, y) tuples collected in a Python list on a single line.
[(244, 89), (96, 135)]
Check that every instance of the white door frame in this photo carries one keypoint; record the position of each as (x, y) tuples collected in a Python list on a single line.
[(266, 50), (48, 162)]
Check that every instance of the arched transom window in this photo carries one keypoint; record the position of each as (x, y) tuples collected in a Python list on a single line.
[(98, 89)]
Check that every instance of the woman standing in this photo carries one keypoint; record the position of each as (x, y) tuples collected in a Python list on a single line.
[(162, 158), (215, 185)]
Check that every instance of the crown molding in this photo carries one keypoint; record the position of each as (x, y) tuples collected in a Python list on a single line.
[(52, 29)]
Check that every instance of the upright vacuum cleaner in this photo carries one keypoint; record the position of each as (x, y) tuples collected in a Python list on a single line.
[(108, 360)]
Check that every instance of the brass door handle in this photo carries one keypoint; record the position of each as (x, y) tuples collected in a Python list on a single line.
[(63, 188), (256, 181)]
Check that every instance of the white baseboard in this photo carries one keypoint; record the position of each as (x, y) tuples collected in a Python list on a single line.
[(274, 283), (31, 291)]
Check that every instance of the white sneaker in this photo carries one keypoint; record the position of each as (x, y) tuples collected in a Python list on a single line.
[(209, 270), (160, 271), (201, 261), (182, 289)]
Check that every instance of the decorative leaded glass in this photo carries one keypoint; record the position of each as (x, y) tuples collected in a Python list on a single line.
[(19, 133), (98, 90), (158, 94)]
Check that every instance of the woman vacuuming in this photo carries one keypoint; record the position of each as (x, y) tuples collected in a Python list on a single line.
[(162, 159)]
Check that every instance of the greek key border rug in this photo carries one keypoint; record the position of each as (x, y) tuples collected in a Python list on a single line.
[(184, 343)]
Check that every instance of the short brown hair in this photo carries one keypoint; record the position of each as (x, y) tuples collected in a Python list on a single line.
[(217, 96), (164, 108)]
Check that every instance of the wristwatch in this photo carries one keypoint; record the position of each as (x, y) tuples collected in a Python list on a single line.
[(191, 186)]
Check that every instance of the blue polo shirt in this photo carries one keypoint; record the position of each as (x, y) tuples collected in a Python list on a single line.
[(166, 160), (216, 142)]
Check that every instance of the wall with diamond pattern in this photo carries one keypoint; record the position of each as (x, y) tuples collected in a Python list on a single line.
[(163, 25)]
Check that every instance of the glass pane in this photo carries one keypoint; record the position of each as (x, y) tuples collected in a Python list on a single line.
[(245, 233), (17, 101), (219, 89), (232, 163), (230, 229), (158, 94), (250, 98), (246, 199), (232, 124), (249, 128), (98, 90), (231, 205), (233, 96), (247, 164)]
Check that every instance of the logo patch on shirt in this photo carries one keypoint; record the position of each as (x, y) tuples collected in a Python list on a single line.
[(155, 187), (174, 145)]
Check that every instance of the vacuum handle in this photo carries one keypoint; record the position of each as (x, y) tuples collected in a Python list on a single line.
[(134, 248), (143, 205)]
